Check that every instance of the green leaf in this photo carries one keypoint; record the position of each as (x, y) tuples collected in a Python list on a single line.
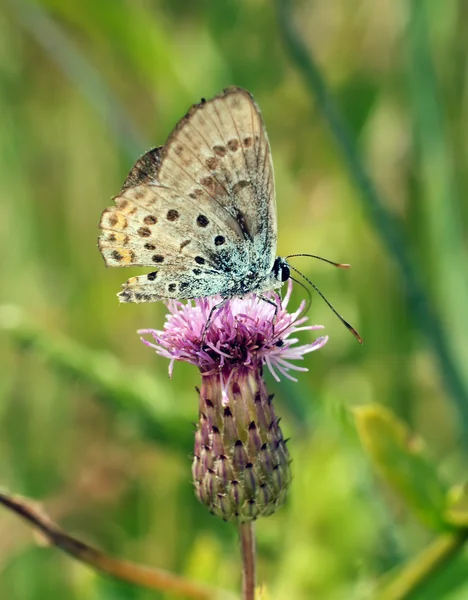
[(457, 512), (400, 458)]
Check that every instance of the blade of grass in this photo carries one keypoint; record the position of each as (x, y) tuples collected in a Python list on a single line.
[(406, 581), (131, 393), (440, 215), (81, 73), (384, 222)]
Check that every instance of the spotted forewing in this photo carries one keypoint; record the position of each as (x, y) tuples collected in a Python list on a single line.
[(200, 210)]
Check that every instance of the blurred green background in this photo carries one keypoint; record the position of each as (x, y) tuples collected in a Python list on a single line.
[(90, 422)]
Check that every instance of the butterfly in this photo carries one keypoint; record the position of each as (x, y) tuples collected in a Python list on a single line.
[(200, 210)]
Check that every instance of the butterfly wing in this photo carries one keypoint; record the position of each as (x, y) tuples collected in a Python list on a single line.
[(201, 209), (222, 146)]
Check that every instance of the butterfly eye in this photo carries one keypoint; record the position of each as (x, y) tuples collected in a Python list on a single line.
[(281, 269)]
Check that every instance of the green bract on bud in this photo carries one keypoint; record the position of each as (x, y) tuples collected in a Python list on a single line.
[(241, 465)]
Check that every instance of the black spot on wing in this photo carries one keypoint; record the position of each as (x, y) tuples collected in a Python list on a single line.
[(202, 221), (172, 215)]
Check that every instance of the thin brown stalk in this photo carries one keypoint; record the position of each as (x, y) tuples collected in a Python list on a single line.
[(155, 579)]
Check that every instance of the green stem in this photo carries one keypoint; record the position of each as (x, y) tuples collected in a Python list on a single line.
[(384, 221), (418, 572), (247, 544)]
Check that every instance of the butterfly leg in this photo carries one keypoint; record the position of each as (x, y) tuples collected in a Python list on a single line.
[(270, 301), (210, 316)]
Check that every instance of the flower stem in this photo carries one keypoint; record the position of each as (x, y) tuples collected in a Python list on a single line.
[(247, 544), (418, 572)]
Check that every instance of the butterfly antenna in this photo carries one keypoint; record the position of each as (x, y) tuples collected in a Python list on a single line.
[(345, 323), (330, 262), (309, 299)]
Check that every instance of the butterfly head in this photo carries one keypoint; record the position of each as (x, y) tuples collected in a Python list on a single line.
[(281, 270)]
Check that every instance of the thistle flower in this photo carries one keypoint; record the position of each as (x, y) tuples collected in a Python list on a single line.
[(241, 466)]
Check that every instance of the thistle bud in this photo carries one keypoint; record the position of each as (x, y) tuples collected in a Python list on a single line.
[(241, 466)]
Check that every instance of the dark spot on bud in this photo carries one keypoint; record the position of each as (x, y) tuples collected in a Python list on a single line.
[(199, 260), (227, 412), (152, 276), (202, 221), (150, 220), (172, 215), (236, 388), (144, 232), (219, 240)]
